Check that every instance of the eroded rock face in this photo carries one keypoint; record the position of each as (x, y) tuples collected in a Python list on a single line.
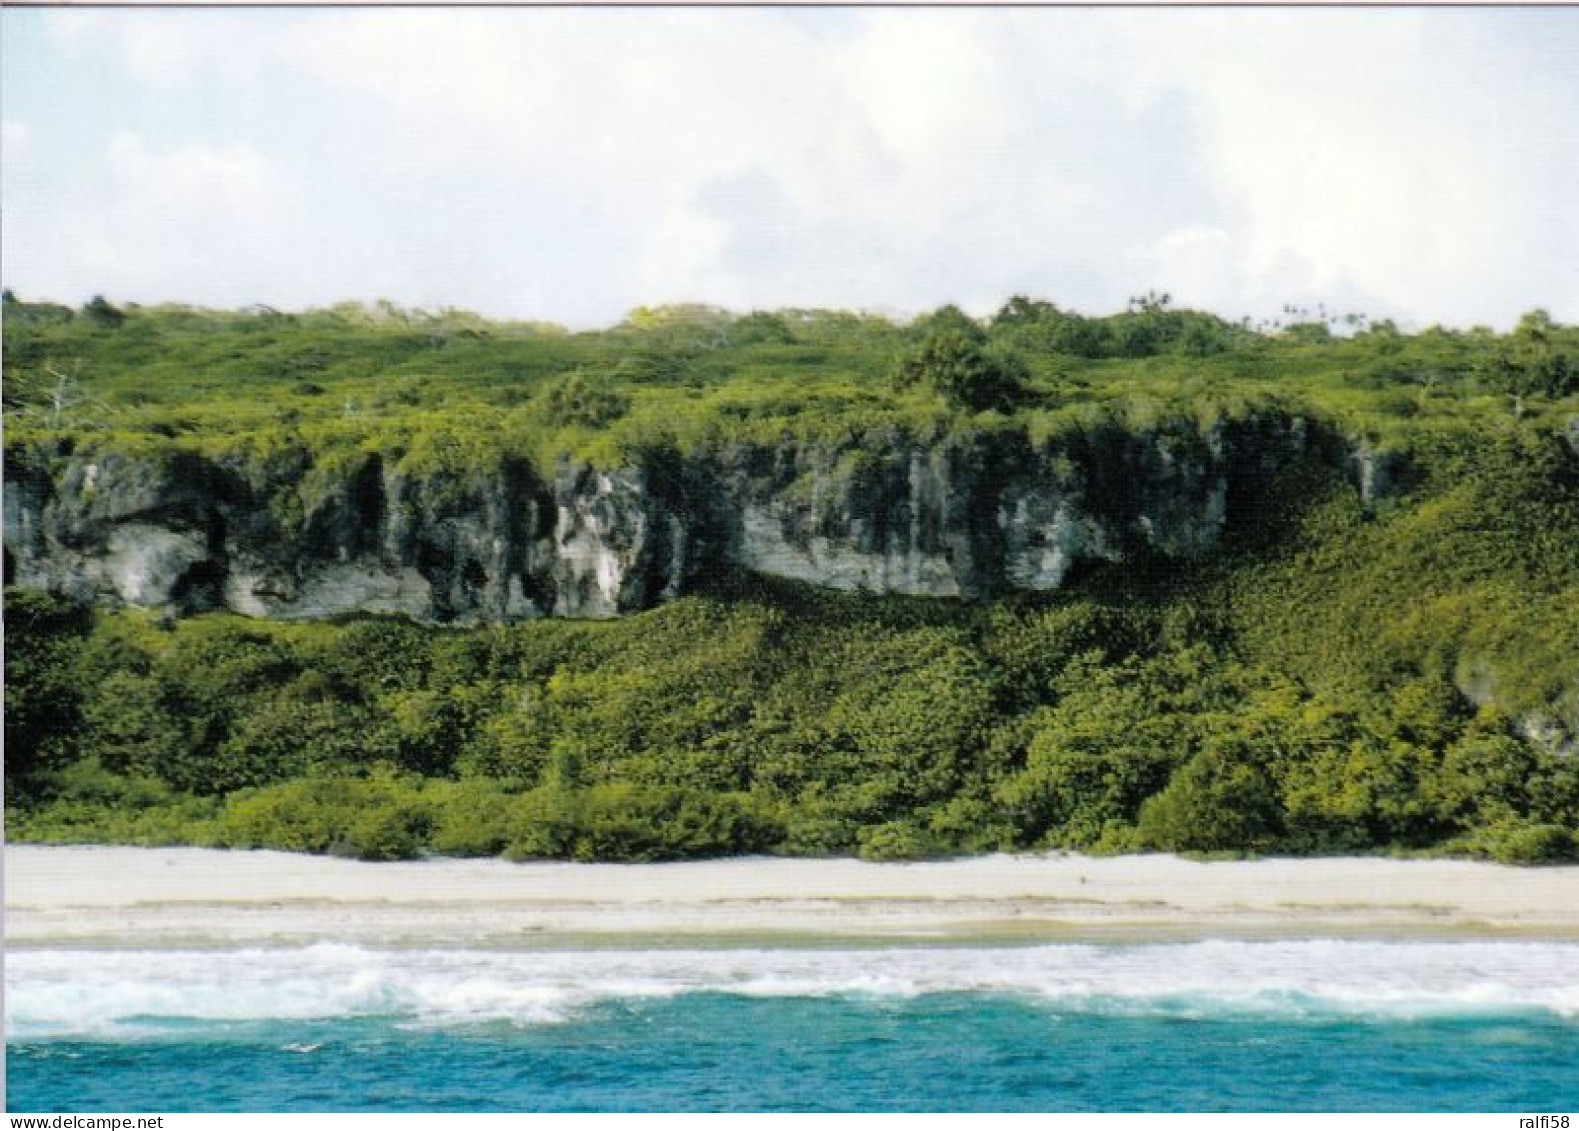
[(326, 591), (605, 542), (1044, 534), (974, 515), (146, 564), (1377, 472), (897, 521)]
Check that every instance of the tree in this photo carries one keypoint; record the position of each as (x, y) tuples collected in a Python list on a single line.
[(1041, 327), (43, 689), (103, 315), (1539, 357), (761, 327), (584, 400), (56, 397), (1308, 333), (953, 359), (1021, 310), (62, 395)]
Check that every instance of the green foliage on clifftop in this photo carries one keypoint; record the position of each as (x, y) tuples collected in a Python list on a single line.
[(422, 386), (1394, 672)]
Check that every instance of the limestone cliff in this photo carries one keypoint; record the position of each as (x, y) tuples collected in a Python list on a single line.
[(967, 516)]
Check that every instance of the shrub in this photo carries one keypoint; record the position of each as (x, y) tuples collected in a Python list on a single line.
[(895, 840), (1519, 843), (477, 817), (623, 821), (585, 401), (1223, 799), (378, 818)]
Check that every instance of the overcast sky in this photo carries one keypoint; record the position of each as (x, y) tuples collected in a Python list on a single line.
[(569, 165)]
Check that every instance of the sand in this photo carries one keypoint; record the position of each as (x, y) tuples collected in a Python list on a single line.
[(173, 897)]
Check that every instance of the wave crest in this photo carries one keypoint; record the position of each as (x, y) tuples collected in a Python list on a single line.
[(66, 993)]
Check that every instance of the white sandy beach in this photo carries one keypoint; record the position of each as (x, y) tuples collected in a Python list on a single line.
[(192, 897)]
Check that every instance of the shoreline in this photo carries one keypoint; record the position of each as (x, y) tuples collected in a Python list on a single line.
[(107, 896)]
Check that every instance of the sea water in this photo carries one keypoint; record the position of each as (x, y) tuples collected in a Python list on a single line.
[(1211, 1025)]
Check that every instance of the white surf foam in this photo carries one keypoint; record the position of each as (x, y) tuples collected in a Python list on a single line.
[(111, 992)]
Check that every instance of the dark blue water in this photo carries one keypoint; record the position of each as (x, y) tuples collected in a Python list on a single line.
[(1166, 1027)]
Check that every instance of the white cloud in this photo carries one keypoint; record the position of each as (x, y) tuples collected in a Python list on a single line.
[(206, 222), (1377, 155), (230, 183), (172, 51), (16, 142), (572, 164), (1196, 266)]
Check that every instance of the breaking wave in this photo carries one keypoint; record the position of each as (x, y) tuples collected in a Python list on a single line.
[(120, 993)]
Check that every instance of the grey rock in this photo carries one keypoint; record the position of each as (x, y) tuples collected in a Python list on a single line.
[(966, 517)]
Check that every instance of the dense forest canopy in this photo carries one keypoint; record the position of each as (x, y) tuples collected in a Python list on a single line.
[(1357, 667)]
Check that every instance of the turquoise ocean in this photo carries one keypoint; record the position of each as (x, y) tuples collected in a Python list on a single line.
[(1437, 1025)]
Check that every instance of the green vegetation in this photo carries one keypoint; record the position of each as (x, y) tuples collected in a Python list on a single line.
[(427, 388), (1393, 673), (955, 360)]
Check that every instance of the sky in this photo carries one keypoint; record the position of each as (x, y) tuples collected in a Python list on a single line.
[(569, 165)]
